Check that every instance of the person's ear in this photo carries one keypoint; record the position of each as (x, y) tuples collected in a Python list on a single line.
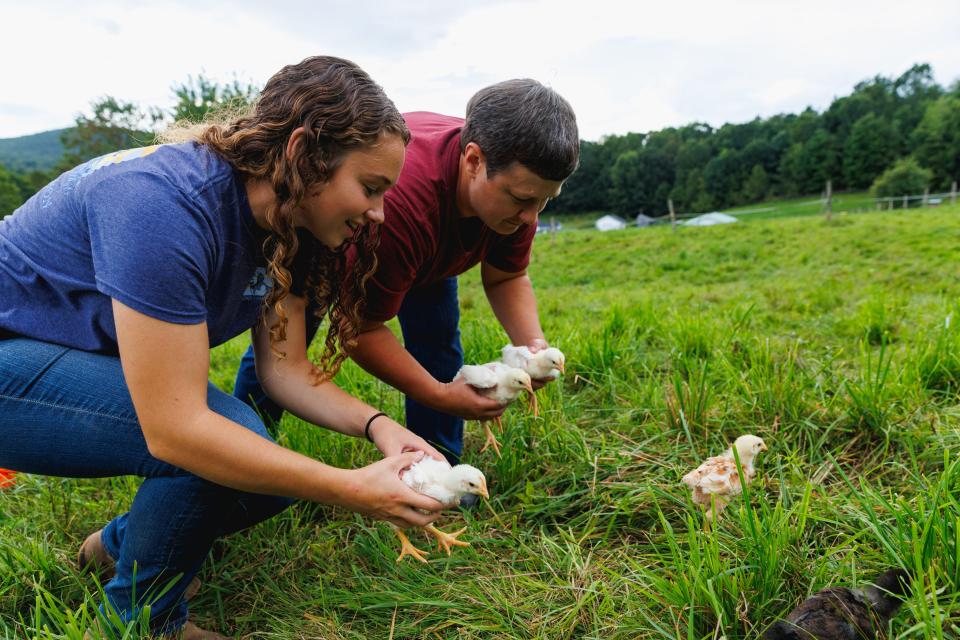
[(296, 138), (474, 160)]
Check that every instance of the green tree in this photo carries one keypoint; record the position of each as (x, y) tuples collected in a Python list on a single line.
[(937, 140), (876, 96), (199, 96), (32, 182), (757, 185), (698, 198), (801, 127), (114, 125), (586, 189), (869, 149), (915, 89), (808, 166), (640, 181), (905, 177), (10, 197), (720, 177)]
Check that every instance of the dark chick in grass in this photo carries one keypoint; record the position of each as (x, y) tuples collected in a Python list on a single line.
[(839, 613)]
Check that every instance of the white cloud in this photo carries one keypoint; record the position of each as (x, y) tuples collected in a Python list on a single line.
[(623, 65)]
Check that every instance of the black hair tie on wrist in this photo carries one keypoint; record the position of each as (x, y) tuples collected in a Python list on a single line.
[(366, 429)]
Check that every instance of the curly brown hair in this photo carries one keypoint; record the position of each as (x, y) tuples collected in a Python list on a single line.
[(341, 109)]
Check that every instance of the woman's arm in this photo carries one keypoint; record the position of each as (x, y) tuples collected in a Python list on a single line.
[(380, 353), (166, 368), (288, 383)]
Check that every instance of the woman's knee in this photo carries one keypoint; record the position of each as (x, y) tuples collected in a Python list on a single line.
[(251, 509), (236, 410)]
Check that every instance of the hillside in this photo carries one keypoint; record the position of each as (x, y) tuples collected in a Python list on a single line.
[(38, 151)]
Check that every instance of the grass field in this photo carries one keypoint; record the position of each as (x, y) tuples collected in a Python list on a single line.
[(838, 343)]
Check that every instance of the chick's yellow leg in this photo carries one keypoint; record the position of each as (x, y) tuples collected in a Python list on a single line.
[(446, 540), (491, 440), (407, 548), (712, 512)]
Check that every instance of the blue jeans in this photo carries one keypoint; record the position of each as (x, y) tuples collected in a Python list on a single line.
[(430, 322), (65, 412)]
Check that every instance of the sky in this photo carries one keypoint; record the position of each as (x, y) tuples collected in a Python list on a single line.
[(624, 66)]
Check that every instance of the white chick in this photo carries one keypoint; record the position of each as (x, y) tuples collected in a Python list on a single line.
[(546, 364), (446, 484), (716, 481), (500, 382)]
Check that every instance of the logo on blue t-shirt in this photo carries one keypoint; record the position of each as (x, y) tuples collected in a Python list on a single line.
[(69, 180), (260, 284)]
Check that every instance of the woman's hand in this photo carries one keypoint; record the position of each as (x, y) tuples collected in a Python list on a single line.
[(392, 439), (377, 491), (460, 399)]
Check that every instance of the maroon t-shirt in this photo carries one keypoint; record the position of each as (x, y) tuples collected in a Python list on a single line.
[(423, 238)]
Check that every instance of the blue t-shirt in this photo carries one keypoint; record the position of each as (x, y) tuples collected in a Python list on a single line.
[(166, 230)]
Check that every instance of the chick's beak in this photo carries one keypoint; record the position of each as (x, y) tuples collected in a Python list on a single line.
[(483, 490), (763, 446)]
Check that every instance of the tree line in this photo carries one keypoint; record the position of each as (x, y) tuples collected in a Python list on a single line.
[(896, 135), (889, 133)]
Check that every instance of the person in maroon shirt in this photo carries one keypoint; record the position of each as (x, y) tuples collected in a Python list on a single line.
[(470, 193)]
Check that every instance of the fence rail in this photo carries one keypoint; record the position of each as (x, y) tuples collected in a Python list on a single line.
[(827, 202)]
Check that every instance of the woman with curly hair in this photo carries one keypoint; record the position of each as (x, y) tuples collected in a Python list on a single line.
[(117, 279)]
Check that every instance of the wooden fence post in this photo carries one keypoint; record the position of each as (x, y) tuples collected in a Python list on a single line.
[(906, 202), (828, 204), (926, 197), (953, 193), (673, 215)]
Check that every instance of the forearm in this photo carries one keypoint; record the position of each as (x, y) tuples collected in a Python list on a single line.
[(379, 353), (288, 383), (515, 306), (221, 451)]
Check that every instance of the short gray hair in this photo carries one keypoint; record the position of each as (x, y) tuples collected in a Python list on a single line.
[(523, 121)]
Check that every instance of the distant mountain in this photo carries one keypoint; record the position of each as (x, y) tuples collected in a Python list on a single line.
[(38, 151)]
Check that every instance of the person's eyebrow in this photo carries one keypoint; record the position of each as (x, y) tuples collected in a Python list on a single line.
[(520, 197), (383, 180)]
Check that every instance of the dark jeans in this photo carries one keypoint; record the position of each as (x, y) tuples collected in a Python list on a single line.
[(65, 412), (430, 322)]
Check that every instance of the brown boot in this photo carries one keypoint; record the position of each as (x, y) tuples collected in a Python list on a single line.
[(93, 557), (189, 631)]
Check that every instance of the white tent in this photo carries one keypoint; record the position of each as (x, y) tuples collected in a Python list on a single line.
[(710, 219), (643, 220), (610, 223)]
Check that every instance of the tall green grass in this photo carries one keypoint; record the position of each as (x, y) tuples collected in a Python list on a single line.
[(838, 343)]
